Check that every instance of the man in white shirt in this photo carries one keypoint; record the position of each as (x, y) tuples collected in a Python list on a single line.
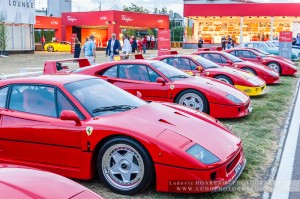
[(126, 45)]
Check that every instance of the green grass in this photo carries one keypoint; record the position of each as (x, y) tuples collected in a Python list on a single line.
[(260, 132)]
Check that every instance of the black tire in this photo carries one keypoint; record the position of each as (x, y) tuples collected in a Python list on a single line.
[(50, 48), (148, 168), (276, 66), (224, 78), (192, 91), (249, 70)]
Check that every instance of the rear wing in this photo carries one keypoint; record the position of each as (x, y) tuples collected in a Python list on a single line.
[(56, 66)]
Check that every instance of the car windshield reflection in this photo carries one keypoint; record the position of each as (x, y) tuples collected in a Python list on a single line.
[(100, 98), (169, 71)]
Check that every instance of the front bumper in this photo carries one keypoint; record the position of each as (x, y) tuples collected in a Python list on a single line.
[(226, 111), (182, 180), (289, 71), (270, 79), (252, 91)]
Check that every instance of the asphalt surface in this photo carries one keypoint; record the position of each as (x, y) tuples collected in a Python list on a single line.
[(295, 185)]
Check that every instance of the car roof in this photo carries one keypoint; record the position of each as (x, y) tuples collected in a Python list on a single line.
[(59, 79)]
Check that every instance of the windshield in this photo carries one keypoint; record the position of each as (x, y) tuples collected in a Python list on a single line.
[(269, 44), (169, 71), (233, 58), (205, 62), (100, 98), (261, 51)]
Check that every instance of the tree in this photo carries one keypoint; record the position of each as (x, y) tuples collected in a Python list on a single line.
[(135, 8), (3, 35)]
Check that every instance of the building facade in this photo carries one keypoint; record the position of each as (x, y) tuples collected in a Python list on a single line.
[(244, 20), (19, 18)]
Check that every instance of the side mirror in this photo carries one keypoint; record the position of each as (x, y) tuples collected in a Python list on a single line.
[(161, 81), (258, 57), (229, 62), (139, 94), (70, 116), (199, 68)]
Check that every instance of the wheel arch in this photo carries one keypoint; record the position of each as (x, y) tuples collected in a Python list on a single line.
[(192, 89), (280, 67), (225, 75)]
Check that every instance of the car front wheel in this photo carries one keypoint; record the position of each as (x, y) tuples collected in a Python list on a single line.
[(250, 70), (275, 66), (225, 79), (125, 166), (50, 49), (193, 99)]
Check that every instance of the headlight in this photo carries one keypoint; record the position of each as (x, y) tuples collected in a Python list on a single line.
[(252, 81), (202, 154), (233, 99)]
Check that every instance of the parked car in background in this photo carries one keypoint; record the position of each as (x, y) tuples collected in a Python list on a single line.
[(158, 81), (279, 65), (18, 182), (197, 65), (81, 126), (269, 48), (225, 59), (63, 46)]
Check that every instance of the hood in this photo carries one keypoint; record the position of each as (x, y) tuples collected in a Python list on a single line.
[(162, 118), (236, 72), (216, 86), (38, 184), (255, 65)]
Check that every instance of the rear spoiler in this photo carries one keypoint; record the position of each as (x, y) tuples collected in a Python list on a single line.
[(55, 66)]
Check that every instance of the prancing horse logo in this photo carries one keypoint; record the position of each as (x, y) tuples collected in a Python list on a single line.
[(89, 130)]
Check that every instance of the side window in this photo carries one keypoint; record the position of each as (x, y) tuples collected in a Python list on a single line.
[(193, 65), (152, 74), (64, 104), (252, 54), (3, 96), (235, 53), (223, 59), (111, 72), (245, 54), (33, 99), (134, 72)]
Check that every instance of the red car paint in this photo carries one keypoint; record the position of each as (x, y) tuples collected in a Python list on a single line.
[(214, 91), (66, 147), (18, 182), (287, 66), (225, 59), (237, 76)]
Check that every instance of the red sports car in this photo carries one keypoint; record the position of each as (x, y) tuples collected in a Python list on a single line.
[(17, 182), (158, 81), (272, 55), (197, 65), (225, 59), (80, 126), (279, 65)]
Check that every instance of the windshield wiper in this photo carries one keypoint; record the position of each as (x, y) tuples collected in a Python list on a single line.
[(114, 108), (179, 76), (213, 67)]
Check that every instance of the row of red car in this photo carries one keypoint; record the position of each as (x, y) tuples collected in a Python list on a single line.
[(73, 123)]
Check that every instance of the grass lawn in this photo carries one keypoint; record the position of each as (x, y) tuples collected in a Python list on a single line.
[(260, 133)]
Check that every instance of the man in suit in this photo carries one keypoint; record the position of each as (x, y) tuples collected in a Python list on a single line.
[(113, 47)]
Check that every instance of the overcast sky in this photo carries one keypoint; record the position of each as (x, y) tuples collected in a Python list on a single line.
[(89, 5)]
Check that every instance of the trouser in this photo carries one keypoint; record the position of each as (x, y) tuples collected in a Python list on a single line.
[(148, 44), (152, 44), (111, 57), (91, 59), (228, 46), (133, 50), (223, 46), (144, 49)]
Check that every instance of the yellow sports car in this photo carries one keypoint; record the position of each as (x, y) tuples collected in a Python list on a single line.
[(63, 46)]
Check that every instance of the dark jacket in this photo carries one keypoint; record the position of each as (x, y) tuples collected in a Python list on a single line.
[(117, 45), (134, 44)]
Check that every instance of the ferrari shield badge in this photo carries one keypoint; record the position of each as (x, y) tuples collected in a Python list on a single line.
[(207, 73), (172, 87), (89, 130)]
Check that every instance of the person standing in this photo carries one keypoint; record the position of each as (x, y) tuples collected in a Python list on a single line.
[(77, 48), (148, 41), (126, 49), (200, 43), (145, 43), (133, 45), (152, 41), (43, 40), (298, 40), (113, 47), (140, 45), (89, 50), (229, 42), (223, 42)]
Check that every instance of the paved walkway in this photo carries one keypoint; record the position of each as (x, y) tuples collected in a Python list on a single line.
[(287, 184)]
